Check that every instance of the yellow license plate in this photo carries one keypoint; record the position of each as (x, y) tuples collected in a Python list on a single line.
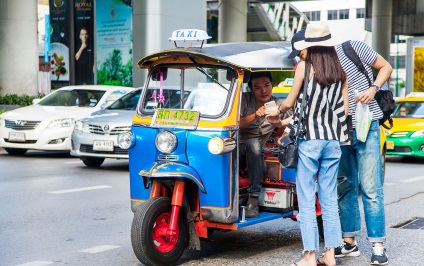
[(390, 145), (175, 118)]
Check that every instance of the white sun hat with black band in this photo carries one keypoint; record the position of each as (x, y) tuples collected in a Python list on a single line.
[(317, 34)]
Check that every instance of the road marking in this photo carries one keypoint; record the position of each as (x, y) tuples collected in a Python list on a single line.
[(412, 179), (74, 162), (78, 189), (99, 249), (389, 184), (36, 263)]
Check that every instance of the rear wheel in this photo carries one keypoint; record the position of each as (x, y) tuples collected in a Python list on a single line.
[(13, 151), (93, 161), (151, 244)]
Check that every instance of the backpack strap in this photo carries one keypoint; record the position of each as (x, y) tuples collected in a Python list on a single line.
[(353, 56)]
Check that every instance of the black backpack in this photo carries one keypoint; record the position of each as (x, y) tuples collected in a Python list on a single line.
[(384, 98)]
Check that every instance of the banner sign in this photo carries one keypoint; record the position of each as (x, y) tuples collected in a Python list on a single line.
[(84, 39), (59, 36), (114, 42)]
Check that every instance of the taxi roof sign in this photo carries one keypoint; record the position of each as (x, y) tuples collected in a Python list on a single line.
[(189, 35)]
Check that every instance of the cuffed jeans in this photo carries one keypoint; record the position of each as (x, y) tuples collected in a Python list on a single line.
[(360, 164), (251, 153), (318, 157)]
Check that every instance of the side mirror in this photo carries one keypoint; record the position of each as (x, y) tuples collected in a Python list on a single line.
[(157, 72)]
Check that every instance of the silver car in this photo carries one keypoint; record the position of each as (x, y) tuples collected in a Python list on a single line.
[(95, 137)]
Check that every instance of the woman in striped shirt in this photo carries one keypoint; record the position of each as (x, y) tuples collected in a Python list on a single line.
[(323, 127)]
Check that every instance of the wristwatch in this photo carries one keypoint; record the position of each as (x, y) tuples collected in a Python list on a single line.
[(376, 87)]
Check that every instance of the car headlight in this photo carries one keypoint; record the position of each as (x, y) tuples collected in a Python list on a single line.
[(418, 133), (81, 126), (219, 145), (126, 140), (166, 141), (65, 122)]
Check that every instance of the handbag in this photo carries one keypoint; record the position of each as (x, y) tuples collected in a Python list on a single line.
[(289, 153)]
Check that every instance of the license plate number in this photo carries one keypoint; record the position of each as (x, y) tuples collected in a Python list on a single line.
[(103, 145), (17, 136), (390, 145)]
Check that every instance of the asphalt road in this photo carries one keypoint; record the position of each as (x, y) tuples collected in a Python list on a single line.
[(56, 211)]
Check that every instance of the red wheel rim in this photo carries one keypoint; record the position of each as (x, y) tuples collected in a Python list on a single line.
[(163, 241)]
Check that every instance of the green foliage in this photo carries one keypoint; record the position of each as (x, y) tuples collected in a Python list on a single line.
[(14, 99), (113, 72), (2, 111)]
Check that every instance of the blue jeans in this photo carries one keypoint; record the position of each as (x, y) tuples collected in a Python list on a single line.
[(360, 164), (252, 156), (318, 157)]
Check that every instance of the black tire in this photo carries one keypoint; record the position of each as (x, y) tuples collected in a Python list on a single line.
[(320, 223), (148, 246), (93, 161), (13, 151)]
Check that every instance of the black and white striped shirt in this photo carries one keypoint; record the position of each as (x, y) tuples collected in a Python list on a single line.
[(324, 116), (357, 80)]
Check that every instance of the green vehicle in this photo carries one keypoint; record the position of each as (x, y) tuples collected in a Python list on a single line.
[(406, 138)]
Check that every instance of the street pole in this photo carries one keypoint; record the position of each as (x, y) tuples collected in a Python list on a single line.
[(397, 66)]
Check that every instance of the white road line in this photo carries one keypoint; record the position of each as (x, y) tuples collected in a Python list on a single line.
[(36, 263), (74, 162), (412, 179), (99, 249), (389, 184), (78, 189)]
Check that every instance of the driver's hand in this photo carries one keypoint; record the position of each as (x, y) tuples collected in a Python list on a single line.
[(260, 112), (272, 111)]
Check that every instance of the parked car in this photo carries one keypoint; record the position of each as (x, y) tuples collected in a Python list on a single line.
[(406, 137), (95, 137), (48, 123)]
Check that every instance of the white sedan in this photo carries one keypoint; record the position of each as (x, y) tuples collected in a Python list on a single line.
[(48, 124)]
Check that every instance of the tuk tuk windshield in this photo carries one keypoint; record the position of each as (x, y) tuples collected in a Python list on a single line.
[(205, 89)]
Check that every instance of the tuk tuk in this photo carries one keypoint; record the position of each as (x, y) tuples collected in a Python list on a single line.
[(183, 146)]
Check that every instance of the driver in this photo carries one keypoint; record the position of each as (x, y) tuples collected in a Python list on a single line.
[(255, 129)]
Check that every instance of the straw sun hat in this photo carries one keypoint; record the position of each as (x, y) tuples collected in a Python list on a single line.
[(317, 34)]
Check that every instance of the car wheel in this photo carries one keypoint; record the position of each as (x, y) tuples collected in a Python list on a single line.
[(93, 161), (12, 151)]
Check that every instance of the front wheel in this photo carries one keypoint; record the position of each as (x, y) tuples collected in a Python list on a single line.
[(13, 151), (151, 244), (93, 161)]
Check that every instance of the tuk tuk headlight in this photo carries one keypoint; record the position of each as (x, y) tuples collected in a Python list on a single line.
[(166, 141), (126, 140), (219, 145)]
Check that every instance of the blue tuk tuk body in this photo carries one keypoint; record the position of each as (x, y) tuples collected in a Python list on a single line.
[(183, 147)]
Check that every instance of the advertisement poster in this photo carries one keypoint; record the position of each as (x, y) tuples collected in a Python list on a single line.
[(59, 37), (84, 40), (419, 69), (114, 42)]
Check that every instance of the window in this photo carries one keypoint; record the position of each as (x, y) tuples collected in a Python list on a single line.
[(344, 14), (360, 13), (332, 14), (402, 61), (338, 14), (313, 15)]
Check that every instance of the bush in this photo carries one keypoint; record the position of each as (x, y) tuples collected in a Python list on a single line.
[(13, 99)]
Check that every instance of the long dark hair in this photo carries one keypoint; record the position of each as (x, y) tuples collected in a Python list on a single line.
[(327, 67)]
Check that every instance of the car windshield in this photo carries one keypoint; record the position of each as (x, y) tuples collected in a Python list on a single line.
[(77, 97), (127, 102), (202, 88), (409, 109)]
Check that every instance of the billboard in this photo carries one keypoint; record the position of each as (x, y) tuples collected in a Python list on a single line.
[(84, 40), (415, 64), (114, 42), (59, 37)]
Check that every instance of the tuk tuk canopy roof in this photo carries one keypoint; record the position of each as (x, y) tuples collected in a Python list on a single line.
[(246, 55)]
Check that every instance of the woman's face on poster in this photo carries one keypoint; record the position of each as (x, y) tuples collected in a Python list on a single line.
[(83, 35)]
